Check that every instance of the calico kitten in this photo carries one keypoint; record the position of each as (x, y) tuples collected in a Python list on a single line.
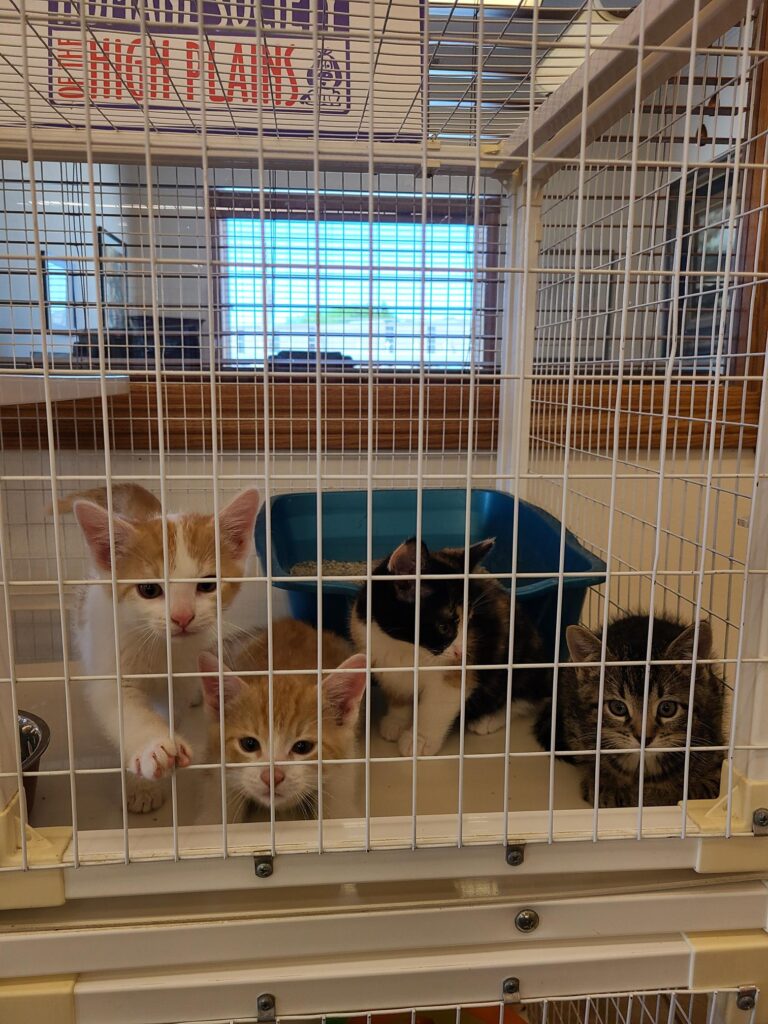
[(294, 736), (442, 614), (667, 714), (144, 612)]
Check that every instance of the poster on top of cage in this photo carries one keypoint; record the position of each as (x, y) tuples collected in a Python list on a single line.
[(291, 68)]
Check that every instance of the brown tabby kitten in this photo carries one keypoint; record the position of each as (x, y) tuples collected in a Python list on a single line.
[(622, 729)]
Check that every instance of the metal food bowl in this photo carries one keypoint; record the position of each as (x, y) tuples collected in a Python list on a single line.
[(34, 737)]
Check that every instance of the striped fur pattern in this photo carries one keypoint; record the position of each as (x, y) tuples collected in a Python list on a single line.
[(668, 711)]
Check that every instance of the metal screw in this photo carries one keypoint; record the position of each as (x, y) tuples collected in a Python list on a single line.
[(263, 867), (527, 921), (511, 986), (760, 817), (266, 1003), (745, 999), (515, 856)]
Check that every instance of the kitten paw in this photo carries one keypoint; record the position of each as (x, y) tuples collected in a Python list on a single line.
[(391, 727), (143, 796), (425, 745), (488, 723), (157, 759), (588, 792), (618, 798)]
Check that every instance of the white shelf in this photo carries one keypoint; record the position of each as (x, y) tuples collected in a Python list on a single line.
[(23, 389)]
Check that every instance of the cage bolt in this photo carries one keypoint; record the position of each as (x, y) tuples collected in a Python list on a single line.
[(745, 999), (511, 986), (263, 867), (760, 817), (515, 856), (265, 1008), (527, 921)]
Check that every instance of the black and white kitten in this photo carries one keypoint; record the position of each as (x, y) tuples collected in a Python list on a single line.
[(622, 722), (441, 628)]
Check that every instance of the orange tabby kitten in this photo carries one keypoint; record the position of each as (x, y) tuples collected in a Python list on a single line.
[(293, 788), (145, 612)]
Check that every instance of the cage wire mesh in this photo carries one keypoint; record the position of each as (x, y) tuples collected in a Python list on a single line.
[(216, 304), (660, 1007)]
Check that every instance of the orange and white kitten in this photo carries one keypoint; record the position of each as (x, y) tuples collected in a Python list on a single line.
[(293, 740), (145, 612)]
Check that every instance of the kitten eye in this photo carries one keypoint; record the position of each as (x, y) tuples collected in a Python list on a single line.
[(667, 709), (618, 708), (250, 744), (445, 628), (303, 747), (207, 586), (149, 590)]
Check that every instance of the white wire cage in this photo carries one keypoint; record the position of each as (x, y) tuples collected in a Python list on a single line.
[(657, 1006), (451, 289)]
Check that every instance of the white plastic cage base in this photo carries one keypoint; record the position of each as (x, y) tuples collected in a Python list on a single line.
[(45, 849), (745, 805), (680, 1006), (582, 1011)]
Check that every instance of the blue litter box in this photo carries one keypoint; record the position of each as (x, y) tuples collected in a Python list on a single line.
[(294, 540)]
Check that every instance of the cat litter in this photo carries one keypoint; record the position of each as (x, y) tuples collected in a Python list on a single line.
[(331, 567)]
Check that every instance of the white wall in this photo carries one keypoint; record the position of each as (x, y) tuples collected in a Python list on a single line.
[(686, 543)]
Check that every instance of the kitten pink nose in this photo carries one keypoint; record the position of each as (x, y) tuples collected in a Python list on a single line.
[(279, 776), (182, 617)]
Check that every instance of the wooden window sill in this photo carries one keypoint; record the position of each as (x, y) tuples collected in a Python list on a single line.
[(292, 415)]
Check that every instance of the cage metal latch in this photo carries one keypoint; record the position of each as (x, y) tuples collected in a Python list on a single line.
[(266, 1008)]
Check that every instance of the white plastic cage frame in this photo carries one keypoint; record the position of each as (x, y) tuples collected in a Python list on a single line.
[(610, 1008), (593, 186), (621, 1008), (712, 1007)]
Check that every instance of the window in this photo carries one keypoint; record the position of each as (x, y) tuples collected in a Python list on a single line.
[(704, 307), (372, 291), (57, 298)]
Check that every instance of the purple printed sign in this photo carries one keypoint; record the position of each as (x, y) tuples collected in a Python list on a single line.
[(284, 67)]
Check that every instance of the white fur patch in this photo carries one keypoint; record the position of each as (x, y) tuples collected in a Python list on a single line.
[(387, 652), (141, 648)]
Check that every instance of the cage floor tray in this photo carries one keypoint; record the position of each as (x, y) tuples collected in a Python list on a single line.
[(391, 776)]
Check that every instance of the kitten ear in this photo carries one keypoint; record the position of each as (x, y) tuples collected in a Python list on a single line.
[(681, 648), (94, 522), (402, 562), (343, 689), (478, 551), (583, 645), (209, 673), (237, 520)]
